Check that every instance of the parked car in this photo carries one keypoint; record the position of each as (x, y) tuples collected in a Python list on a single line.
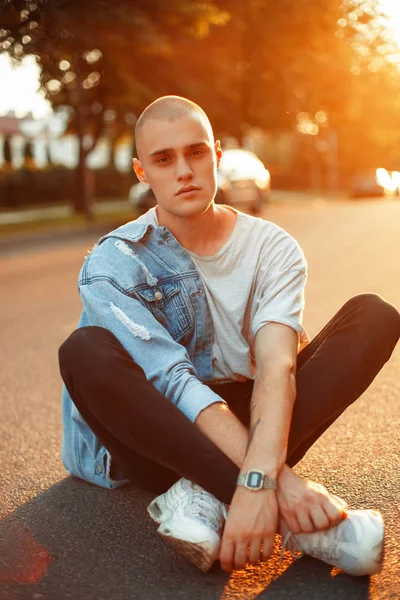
[(141, 197), (375, 182), (243, 182)]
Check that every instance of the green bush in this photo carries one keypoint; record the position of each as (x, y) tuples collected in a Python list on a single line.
[(24, 188), (110, 183)]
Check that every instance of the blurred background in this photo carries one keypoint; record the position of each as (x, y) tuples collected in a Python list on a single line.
[(305, 97), (310, 87)]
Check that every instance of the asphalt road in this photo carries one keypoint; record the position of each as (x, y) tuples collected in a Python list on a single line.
[(61, 538)]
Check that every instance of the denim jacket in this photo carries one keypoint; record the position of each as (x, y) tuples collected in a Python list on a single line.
[(142, 285)]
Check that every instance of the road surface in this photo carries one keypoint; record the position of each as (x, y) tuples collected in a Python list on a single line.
[(61, 538)]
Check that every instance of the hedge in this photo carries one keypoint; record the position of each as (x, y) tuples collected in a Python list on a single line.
[(24, 187)]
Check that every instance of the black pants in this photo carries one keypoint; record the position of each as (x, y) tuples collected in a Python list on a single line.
[(154, 444)]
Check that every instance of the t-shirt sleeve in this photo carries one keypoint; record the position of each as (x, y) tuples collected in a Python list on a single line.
[(280, 283)]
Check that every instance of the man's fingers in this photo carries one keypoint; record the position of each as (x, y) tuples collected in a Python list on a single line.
[(291, 521), (334, 511), (305, 523), (240, 558), (342, 503), (255, 551), (226, 554), (319, 518), (267, 546)]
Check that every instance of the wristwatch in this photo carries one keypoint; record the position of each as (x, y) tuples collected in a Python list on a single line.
[(256, 481)]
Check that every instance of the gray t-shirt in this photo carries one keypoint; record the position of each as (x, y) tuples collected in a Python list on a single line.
[(257, 277)]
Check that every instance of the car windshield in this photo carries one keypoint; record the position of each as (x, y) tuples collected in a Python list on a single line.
[(240, 164)]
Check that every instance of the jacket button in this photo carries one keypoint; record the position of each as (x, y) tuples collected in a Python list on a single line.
[(99, 469), (158, 296)]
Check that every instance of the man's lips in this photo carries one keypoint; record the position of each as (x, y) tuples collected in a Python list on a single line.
[(187, 188)]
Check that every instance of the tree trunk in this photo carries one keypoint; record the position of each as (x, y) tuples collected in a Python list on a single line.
[(49, 159), (83, 201), (7, 152)]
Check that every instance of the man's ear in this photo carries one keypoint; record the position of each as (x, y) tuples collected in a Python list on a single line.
[(140, 174), (218, 152)]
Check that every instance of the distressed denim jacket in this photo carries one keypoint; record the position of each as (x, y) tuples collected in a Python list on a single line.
[(142, 285)]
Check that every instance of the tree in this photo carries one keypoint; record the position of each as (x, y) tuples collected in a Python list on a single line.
[(7, 152), (94, 55), (260, 63), (28, 155), (280, 65)]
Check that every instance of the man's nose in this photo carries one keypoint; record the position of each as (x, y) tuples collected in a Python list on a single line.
[(183, 169)]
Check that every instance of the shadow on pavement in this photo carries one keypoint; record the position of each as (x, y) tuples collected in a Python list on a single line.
[(77, 541), (311, 579)]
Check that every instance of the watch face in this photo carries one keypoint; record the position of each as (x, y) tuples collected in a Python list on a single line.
[(255, 480)]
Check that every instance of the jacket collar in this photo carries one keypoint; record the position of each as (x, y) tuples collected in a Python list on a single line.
[(133, 231)]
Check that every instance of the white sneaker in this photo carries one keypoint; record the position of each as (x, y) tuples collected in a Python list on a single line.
[(355, 545), (191, 520)]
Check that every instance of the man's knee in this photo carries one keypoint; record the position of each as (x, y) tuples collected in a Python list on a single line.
[(80, 346), (377, 315)]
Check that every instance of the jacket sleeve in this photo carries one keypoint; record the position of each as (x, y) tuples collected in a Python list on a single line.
[(165, 362)]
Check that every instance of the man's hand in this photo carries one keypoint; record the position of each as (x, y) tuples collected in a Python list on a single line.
[(251, 524), (307, 506)]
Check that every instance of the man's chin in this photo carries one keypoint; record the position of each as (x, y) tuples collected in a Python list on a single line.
[(193, 209)]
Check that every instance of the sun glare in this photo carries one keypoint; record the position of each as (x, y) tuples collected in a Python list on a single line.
[(19, 87), (392, 11)]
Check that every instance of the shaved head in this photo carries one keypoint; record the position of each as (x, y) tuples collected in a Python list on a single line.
[(169, 108)]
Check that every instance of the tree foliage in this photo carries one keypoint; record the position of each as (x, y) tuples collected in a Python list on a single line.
[(264, 63), (95, 56)]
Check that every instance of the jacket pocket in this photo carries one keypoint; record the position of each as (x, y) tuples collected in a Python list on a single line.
[(167, 303)]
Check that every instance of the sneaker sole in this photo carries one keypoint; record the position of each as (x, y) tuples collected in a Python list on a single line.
[(158, 510), (197, 552), (380, 559)]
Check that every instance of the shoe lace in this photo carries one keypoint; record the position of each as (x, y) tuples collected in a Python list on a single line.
[(289, 543), (322, 545), (207, 508)]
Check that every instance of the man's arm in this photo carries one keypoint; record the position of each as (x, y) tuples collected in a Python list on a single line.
[(271, 406), (273, 398), (252, 518), (105, 288)]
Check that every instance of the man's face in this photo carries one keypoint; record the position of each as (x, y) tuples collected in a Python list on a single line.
[(179, 160)]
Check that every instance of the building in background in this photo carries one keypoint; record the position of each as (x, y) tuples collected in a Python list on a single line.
[(51, 146)]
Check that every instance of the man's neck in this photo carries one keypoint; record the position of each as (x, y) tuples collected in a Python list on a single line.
[(203, 234)]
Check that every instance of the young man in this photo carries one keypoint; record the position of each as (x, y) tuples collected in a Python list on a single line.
[(185, 370)]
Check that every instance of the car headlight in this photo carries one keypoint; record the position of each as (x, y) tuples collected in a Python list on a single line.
[(384, 179)]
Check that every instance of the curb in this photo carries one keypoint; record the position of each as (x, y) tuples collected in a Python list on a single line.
[(14, 243)]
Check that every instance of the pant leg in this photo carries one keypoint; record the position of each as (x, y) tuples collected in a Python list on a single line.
[(150, 439), (339, 365), (332, 371)]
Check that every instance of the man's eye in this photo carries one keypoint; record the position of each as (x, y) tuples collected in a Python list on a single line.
[(197, 152), (163, 159)]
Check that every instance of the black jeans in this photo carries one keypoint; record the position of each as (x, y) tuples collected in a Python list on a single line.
[(154, 444)]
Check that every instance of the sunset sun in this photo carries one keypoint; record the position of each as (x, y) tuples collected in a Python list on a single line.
[(392, 11)]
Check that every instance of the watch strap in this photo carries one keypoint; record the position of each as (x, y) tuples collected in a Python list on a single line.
[(256, 480)]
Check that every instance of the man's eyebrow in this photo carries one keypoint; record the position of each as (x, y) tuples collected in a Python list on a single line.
[(162, 151), (171, 150)]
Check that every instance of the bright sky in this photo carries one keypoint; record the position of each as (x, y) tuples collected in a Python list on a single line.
[(19, 85), (392, 8)]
